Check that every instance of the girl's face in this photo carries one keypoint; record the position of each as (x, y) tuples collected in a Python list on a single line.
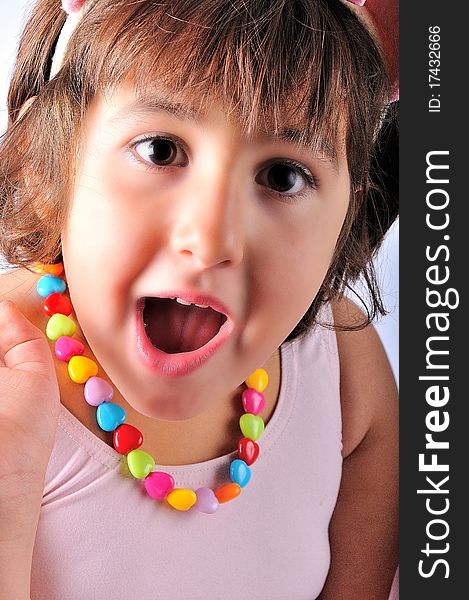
[(170, 203)]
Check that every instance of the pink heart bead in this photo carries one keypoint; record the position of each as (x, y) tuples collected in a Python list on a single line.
[(66, 347), (97, 391), (253, 401), (158, 484), (206, 501)]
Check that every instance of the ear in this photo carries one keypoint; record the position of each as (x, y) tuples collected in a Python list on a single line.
[(25, 107)]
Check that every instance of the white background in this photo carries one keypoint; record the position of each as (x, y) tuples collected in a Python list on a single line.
[(11, 17)]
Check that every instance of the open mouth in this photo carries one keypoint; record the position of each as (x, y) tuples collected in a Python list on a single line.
[(174, 327)]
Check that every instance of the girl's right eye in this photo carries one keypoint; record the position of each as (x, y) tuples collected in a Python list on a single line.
[(159, 151)]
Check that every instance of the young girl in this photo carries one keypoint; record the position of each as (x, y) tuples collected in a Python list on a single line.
[(187, 190)]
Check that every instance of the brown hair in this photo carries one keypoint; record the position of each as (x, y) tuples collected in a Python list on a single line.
[(309, 59)]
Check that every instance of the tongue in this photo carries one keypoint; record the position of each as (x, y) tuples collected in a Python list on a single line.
[(173, 327)]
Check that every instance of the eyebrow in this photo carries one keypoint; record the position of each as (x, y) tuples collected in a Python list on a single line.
[(295, 136), (145, 105)]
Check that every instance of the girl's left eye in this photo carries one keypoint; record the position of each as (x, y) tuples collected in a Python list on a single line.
[(159, 151), (287, 178)]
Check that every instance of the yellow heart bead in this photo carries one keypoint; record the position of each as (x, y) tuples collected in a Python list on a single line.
[(181, 499), (81, 369), (258, 380), (59, 325)]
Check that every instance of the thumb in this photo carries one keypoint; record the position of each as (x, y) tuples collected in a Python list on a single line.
[(22, 345)]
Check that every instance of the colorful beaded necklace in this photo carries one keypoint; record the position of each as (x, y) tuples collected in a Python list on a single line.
[(128, 439)]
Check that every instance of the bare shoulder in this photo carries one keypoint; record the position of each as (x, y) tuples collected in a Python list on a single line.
[(369, 395), (364, 526)]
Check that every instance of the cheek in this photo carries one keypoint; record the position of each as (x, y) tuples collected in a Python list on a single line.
[(299, 256), (110, 214), (308, 239), (298, 269), (102, 249)]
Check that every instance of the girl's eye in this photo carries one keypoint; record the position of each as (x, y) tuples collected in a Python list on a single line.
[(160, 151), (286, 178)]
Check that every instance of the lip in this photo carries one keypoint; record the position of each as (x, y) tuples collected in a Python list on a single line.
[(182, 363)]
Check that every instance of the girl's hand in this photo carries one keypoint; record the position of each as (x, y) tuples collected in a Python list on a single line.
[(29, 410), (29, 403)]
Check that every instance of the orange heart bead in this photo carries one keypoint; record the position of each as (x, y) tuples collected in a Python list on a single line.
[(227, 492), (51, 269)]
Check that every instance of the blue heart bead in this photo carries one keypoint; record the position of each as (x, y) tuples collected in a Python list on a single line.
[(110, 416), (240, 473), (48, 284)]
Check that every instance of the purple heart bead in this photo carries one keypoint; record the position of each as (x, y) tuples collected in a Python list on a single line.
[(158, 484), (206, 501), (97, 391)]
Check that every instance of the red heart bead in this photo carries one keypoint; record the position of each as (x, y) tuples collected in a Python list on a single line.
[(248, 450), (57, 303), (127, 438)]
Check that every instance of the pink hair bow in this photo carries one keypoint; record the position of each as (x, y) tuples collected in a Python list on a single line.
[(74, 10), (72, 6)]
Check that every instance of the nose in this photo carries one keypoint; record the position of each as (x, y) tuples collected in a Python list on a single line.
[(209, 225)]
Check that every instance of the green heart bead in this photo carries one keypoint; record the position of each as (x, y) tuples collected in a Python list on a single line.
[(252, 426), (141, 464), (59, 325)]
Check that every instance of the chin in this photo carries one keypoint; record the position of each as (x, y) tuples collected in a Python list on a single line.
[(171, 409)]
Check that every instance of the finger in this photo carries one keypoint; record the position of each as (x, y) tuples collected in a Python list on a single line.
[(22, 345)]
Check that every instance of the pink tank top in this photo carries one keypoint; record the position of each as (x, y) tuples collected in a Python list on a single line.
[(100, 536)]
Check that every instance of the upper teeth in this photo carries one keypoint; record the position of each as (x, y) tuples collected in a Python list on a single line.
[(182, 301)]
